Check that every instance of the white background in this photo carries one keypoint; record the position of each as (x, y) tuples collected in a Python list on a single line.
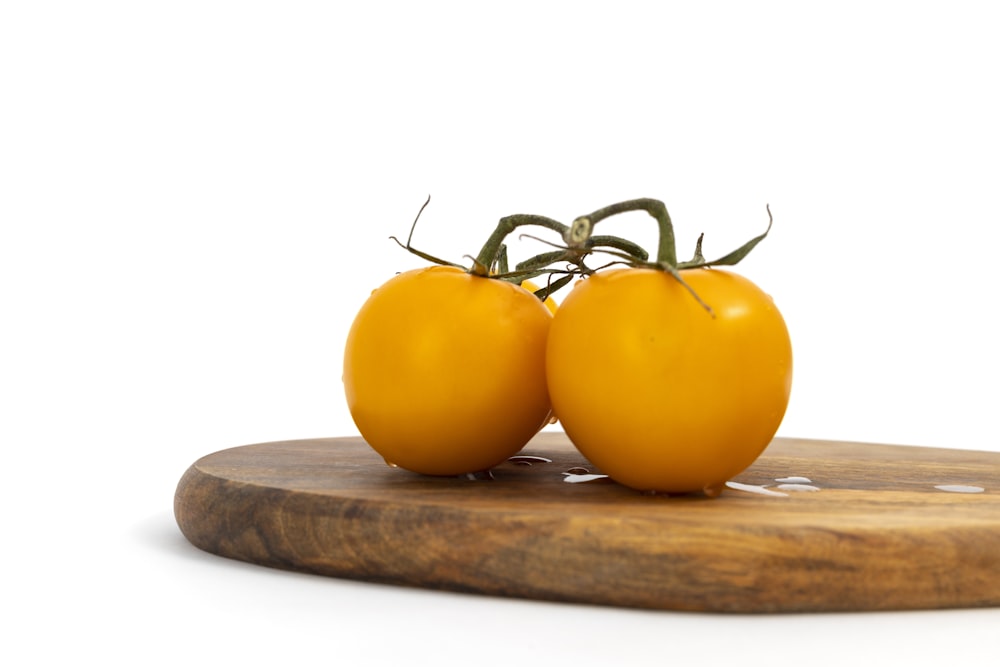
[(196, 197)]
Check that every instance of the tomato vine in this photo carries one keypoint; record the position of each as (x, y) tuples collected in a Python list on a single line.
[(491, 260), (666, 256), (567, 260)]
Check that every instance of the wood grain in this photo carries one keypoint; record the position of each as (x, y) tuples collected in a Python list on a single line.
[(877, 535)]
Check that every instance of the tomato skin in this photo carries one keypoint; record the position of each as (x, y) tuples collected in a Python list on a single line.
[(657, 393), (444, 372)]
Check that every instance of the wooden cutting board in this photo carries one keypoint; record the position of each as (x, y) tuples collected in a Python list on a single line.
[(874, 527)]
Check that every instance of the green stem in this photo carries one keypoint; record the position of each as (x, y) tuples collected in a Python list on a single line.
[(542, 260), (500, 261), (666, 253), (630, 248), (504, 228)]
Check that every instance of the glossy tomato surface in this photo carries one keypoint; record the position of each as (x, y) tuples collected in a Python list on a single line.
[(654, 390), (444, 372)]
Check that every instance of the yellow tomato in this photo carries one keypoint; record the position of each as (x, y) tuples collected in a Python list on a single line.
[(655, 391), (444, 372)]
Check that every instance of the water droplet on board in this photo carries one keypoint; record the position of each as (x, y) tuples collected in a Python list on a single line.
[(390, 463), (577, 470), (522, 459), (481, 476), (713, 490), (959, 488), (794, 480), (577, 479), (798, 487), (754, 488)]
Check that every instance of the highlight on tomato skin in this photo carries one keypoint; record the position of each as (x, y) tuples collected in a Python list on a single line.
[(661, 394), (444, 372)]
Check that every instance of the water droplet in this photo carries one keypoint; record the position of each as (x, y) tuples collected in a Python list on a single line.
[(794, 480), (753, 488), (959, 488), (390, 463), (577, 479), (577, 470), (523, 459), (713, 490), (798, 487), (481, 476), (553, 419)]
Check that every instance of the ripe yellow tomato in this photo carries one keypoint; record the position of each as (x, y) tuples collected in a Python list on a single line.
[(655, 391), (444, 372)]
